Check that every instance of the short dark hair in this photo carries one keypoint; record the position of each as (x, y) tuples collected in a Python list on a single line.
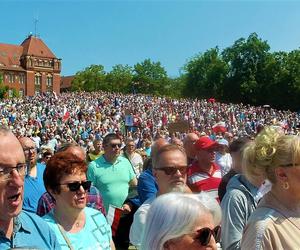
[(110, 137), (238, 144), (59, 165)]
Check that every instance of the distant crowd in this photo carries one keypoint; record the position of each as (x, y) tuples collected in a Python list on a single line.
[(112, 171)]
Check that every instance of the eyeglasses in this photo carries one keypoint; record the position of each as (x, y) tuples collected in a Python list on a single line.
[(173, 170), (291, 165), (116, 145), (204, 235), (75, 186), (27, 150), (6, 172)]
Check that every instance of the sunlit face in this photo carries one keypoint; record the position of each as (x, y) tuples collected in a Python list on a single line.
[(11, 190), (130, 147), (190, 241), (113, 148), (29, 149), (293, 179), (71, 199), (170, 182), (206, 156)]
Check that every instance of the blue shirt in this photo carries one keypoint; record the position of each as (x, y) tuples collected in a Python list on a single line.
[(96, 233), (34, 189), (147, 186), (30, 231)]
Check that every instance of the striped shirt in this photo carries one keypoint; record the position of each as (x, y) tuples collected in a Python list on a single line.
[(202, 181)]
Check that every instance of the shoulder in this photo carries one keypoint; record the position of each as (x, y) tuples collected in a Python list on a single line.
[(33, 222), (259, 226)]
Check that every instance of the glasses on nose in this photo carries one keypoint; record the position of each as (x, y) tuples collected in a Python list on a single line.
[(75, 186), (27, 150), (6, 172), (204, 235), (116, 145), (173, 170)]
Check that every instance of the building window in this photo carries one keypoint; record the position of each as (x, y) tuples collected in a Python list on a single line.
[(49, 81), (37, 92), (38, 79), (21, 92), (11, 78), (22, 79), (10, 93)]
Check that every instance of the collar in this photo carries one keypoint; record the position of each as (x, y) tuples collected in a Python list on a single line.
[(20, 223), (196, 168)]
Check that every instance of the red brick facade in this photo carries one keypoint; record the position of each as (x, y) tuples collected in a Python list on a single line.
[(30, 68)]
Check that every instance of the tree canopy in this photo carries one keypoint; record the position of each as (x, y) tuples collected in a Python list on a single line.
[(244, 72)]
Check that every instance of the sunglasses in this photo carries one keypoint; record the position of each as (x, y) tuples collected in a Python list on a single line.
[(173, 170), (204, 235), (116, 145), (75, 186)]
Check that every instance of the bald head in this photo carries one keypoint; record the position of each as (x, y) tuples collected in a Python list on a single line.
[(188, 144), (157, 145)]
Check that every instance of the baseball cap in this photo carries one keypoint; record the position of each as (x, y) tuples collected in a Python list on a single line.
[(205, 143), (223, 142)]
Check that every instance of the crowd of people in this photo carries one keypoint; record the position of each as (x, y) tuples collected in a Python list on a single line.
[(69, 163)]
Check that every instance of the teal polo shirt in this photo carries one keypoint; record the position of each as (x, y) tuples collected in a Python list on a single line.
[(112, 180)]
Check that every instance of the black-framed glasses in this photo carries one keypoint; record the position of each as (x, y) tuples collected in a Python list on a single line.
[(291, 165), (5, 172), (173, 170), (75, 186), (204, 235), (31, 150), (119, 145)]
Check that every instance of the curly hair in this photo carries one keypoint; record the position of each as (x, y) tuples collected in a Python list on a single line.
[(270, 149)]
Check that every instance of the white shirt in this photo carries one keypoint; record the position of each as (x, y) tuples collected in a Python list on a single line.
[(139, 221)]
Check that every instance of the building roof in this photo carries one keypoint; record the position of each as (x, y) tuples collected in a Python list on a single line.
[(35, 46), (10, 55), (66, 82)]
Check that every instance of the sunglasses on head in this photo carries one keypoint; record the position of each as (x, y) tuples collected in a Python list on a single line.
[(204, 235), (75, 186), (173, 170), (116, 145)]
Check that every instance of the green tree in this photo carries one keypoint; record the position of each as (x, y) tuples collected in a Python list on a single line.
[(247, 59), (150, 77), (90, 79), (205, 74), (3, 89), (119, 79)]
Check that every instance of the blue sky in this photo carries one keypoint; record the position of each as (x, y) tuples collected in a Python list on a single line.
[(126, 32)]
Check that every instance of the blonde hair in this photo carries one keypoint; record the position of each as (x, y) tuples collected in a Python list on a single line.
[(270, 149)]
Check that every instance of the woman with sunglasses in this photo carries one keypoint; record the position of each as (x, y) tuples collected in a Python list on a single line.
[(75, 225), (275, 224), (178, 221)]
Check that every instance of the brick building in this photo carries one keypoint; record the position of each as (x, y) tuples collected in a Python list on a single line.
[(30, 68)]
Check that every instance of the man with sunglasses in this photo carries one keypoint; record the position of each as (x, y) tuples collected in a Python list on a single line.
[(18, 229), (34, 183), (204, 174), (111, 173), (169, 170)]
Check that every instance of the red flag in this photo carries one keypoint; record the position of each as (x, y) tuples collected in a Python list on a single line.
[(113, 218)]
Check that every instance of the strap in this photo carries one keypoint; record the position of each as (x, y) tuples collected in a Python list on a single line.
[(65, 236)]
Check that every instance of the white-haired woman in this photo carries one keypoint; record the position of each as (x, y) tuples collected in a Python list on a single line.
[(179, 221), (275, 224)]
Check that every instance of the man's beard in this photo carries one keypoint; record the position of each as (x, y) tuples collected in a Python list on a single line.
[(177, 189)]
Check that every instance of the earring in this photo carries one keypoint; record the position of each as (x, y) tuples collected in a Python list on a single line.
[(286, 185)]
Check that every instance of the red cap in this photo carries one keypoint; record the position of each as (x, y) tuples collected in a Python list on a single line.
[(205, 143)]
